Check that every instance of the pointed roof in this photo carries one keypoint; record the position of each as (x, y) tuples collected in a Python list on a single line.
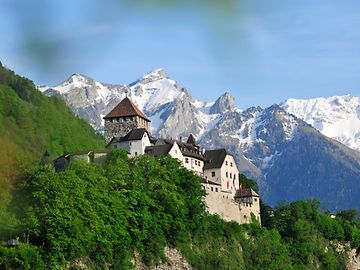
[(126, 108), (192, 140)]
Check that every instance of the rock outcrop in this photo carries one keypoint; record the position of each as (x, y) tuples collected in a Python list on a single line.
[(223, 104), (176, 261)]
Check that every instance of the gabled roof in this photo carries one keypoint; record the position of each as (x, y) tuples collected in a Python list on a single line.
[(135, 134), (246, 192), (215, 158), (158, 150), (126, 108), (187, 149)]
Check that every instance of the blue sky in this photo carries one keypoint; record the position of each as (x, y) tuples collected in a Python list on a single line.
[(262, 51)]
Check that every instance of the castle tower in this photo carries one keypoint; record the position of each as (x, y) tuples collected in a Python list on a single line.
[(124, 118)]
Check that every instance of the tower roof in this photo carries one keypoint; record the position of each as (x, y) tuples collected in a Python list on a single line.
[(126, 108), (192, 140)]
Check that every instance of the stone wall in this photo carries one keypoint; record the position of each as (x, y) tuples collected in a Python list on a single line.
[(222, 203), (119, 127)]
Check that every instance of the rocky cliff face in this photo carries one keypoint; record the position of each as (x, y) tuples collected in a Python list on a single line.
[(176, 261), (223, 104), (289, 158)]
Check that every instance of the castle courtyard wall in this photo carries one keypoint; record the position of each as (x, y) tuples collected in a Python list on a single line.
[(223, 203)]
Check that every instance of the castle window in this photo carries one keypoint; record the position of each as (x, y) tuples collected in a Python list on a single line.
[(234, 176), (212, 174), (195, 162), (230, 175), (255, 199), (186, 160), (226, 163), (227, 175), (136, 154), (231, 164), (212, 189), (216, 189)]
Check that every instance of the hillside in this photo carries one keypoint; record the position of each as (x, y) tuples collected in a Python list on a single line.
[(31, 124), (99, 216), (271, 145)]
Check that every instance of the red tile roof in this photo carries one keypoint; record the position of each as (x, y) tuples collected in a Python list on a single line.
[(126, 108)]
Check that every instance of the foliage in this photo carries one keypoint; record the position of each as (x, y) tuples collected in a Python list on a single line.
[(248, 183), (105, 213), (30, 124), (25, 257)]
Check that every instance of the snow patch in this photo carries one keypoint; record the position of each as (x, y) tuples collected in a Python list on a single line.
[(336, 117)]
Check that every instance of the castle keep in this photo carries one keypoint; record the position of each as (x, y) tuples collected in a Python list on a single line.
[(128, 128), (124, 118)]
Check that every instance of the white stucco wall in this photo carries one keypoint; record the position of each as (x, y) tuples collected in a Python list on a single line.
[(135, 147), (175, 152), (227, 175), (194, 164)]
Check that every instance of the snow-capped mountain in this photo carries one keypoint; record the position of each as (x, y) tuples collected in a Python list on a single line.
[(154, 93), (288, 157), (337, 117)]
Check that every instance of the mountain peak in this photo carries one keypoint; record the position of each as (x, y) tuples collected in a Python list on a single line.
[(224, 103), (76, 76), (154, 75)]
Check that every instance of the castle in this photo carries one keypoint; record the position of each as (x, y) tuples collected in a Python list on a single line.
[(128, 128)]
